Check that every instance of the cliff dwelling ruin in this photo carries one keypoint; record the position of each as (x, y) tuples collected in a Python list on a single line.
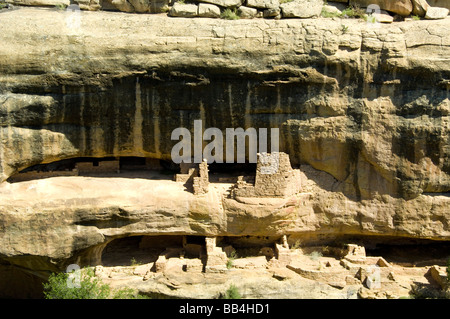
[(353, 202)]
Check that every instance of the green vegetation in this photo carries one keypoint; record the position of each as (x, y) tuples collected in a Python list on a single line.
[(344, 28), (232, 257), (60, 6), (229, 14), (315, 255), (134, 262), (328, 14), (414, 17), (423, 291), (285, 1), (426, 291), (296, 245), (354, 12), (231, 293), (61, 286)]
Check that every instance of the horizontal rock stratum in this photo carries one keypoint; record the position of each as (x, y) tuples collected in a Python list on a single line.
[(363, 112)]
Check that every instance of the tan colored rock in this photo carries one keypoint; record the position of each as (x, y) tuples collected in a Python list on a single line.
[(208, 10), (420, 7), (372, 162), (439, 275), (90, 5), (434, 13), (183, 10), (142, 270), (122, 5), (247, 12), (263, 4), (225, 3), (301, 9), (269, 13), (140, 6), (382, 17), (401, 7), (159, 6)]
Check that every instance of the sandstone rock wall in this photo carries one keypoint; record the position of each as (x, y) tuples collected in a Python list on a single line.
[(368, 106)]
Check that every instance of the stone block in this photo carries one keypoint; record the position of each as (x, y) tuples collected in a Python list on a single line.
[(434, 13), (263, 4), (183, 10), (246, 12), (420, 7), (140, 6), (159, 6), (301, 9), (208, 10), (225, 3), (160, 263), (193, 265), (439, 275), (270, 13)]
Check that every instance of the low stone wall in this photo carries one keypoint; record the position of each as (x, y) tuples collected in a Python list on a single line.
[(28, 176), (277, 9), (102, 167)]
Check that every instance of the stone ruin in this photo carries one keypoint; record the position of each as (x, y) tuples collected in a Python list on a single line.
[(194, 176), (345, 267), (210, 257), (275, 177), (98, 167), (82, 167)]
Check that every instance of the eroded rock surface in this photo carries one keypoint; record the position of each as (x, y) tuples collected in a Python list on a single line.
[(363, 114)]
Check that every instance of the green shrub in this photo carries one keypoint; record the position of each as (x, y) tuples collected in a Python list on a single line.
[(424, 291), (231, 293), (60, 6), (315, 255), (353, 12), (229, 14), (328, 14), (232, 257), (88, 287), (134, 262)]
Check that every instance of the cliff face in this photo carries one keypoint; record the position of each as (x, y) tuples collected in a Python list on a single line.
[(349, 100), (364, 113)]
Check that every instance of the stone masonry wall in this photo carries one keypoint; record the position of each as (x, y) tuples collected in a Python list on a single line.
[(274, 178)]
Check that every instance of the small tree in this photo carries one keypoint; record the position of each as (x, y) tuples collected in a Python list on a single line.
[(88, 287)]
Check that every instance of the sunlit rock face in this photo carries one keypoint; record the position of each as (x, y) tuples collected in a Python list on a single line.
[(362, 111)]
